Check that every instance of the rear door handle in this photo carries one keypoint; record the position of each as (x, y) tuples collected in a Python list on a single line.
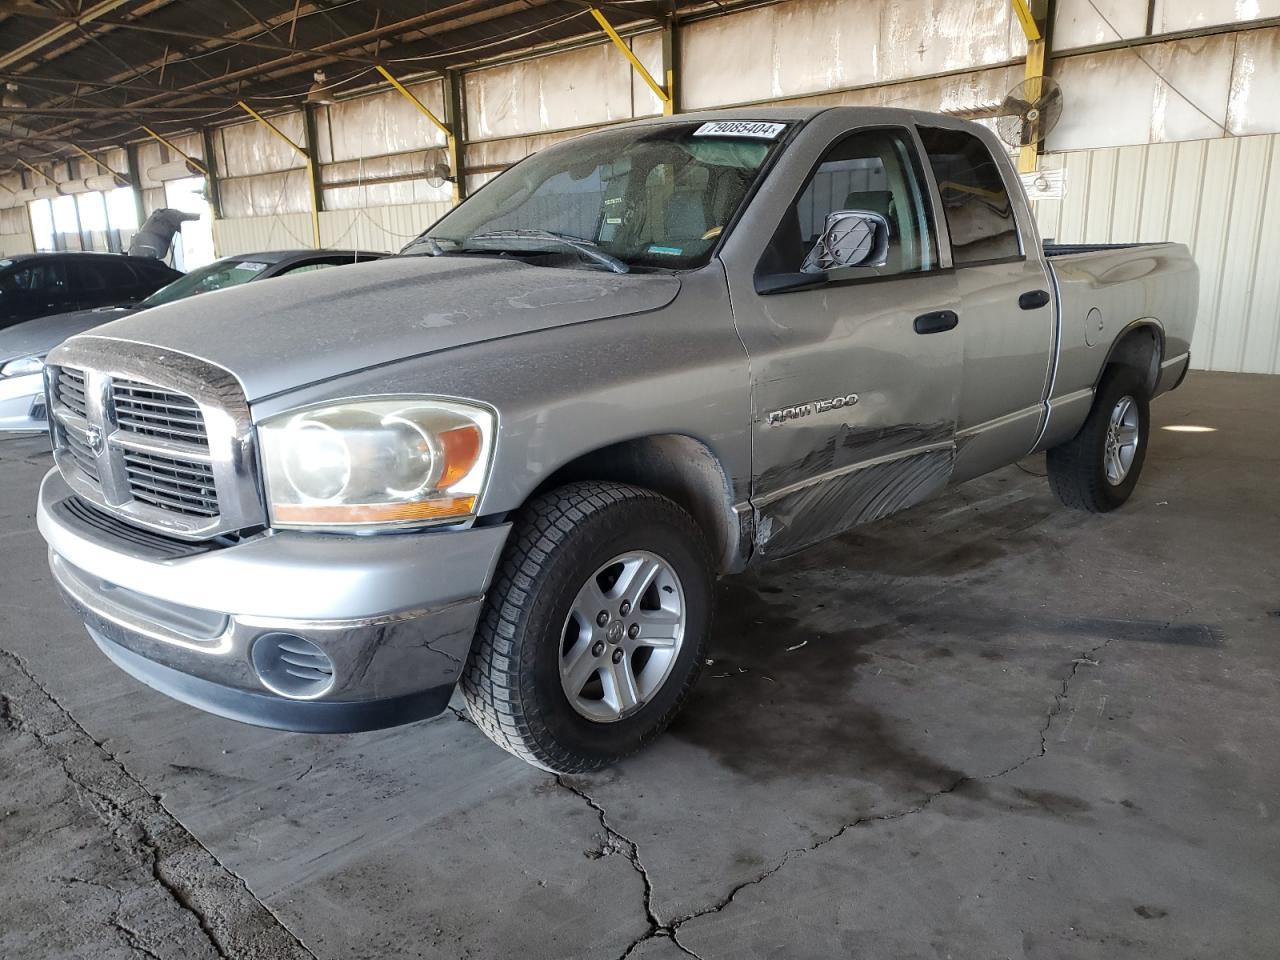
[(939, 321), (1033, 299)]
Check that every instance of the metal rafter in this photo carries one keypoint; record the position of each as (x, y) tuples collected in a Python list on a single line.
[(266, 52)]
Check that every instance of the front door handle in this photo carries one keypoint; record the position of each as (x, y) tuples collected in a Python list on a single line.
[(1033, 299), (939, 321)]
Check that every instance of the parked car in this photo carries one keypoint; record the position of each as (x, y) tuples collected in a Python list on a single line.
[(38, 284), (516, 457), (23, 346)]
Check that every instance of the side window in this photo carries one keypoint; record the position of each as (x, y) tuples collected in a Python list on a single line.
[(88, 277), (305, 268), (870, 170), (118, 275), (37, 278), (977, 205)]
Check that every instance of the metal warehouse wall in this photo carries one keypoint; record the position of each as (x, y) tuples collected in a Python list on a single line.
[(1184, 95), (1222, 199)]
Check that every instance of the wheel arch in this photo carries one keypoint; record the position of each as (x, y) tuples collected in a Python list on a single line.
[(1139, 345), (678, 467)]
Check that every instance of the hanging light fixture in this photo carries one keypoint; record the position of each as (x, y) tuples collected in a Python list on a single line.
[(11, 98), (318, 93)]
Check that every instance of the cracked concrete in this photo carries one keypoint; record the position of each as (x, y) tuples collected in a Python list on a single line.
[(987, 727)]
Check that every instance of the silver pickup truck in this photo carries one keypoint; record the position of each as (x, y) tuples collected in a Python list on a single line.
[(515, 458)]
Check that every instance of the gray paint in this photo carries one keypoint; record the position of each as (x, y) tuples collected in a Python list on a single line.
[(37, 337), (576, 362), (314, 327)]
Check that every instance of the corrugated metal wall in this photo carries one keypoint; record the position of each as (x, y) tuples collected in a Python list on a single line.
[(1222, 199)]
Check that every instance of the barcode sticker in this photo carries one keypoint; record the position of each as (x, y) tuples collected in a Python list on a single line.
[(755, 129)]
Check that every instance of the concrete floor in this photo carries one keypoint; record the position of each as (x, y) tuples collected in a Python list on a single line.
[(986, 728)]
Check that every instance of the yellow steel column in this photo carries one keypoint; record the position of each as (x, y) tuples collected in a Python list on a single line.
[(450, 136), (311, 171), (663, 94), (120, 178), (1037, 49), (192, 161)]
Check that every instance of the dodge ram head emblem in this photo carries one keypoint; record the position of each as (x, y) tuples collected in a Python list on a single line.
[(93, 437), (813, 406)]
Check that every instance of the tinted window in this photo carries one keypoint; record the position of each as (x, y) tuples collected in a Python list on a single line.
[(223, 273), (874, 171), (304, 268), (101, 274), (977, 205), (39, 277)]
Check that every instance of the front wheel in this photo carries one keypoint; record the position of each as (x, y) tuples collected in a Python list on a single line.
[(1097, 469), (594, 630)]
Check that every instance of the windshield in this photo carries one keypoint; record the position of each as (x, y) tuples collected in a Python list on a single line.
[(654, 196), (223, 273)]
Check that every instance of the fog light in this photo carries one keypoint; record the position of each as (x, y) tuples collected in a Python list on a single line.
[(292, 666)]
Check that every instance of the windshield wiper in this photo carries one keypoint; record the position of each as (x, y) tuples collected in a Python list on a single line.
[(584, 247)]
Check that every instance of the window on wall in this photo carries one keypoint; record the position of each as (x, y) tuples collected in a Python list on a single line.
[(66, 222), (974, 198), (122, 211), (106, 220), (42, 232)]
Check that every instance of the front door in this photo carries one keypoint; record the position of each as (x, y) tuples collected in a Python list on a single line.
[(855, 383)]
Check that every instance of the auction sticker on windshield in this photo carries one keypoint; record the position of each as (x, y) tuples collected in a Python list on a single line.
[(756, 129)]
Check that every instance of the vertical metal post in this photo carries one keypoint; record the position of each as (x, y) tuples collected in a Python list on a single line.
[(455, 113), (135, 181), (1036, 18), (663, 95), (310, 132), (310, 166), (671, 62), (212, 187)]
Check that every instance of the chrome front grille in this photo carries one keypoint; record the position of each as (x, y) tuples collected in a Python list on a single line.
[(155, 412), (85, 458), (169, 483), (158, 439), (70, 391)]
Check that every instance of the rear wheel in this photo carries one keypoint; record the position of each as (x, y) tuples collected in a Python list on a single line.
[(1097, 469), (593, 632)]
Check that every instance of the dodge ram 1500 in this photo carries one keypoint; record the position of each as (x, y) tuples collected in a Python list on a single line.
[(514, 458)]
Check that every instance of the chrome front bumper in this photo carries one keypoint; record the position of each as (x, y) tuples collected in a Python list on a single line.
[(394, 615)]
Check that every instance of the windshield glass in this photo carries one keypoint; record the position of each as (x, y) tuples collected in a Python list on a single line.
[(223, 273), (656, 196)]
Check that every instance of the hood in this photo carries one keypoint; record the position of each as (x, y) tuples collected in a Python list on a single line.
[(288, 332), (39, 336)]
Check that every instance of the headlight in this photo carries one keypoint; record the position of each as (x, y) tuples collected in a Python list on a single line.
[(22, 366), (403, 461)]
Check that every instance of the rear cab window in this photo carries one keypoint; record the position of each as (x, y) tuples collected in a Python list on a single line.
[(975, 201)]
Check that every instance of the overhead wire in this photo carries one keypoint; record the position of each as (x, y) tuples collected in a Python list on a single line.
[(1128, 44)]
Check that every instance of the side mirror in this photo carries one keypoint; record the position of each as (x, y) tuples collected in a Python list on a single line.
[(851, 238)]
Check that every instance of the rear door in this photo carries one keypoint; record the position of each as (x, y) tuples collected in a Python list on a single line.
[(854, 382), (1006, 305)]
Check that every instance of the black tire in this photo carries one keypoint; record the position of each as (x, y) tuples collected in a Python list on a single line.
[(1077, 470), (511, 683)]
